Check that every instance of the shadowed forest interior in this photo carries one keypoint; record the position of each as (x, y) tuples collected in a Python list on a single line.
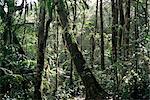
[(74, 50)]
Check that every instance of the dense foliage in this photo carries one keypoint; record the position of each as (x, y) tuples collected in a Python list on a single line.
[(108, 41)]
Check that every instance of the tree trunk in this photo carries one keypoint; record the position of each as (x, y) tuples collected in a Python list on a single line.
[(114, 4), (114, 30), (102, 36), (93, 89), (135, 93), (56, 47), (136, 34), (96, 17), (40, 52), (127, 29), (42, 37), (92, 41), (147, 22), (121, 30)]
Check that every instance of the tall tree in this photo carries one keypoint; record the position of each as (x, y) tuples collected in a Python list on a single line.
[(135, 93), (96, 17), (102, 35), (121, 29), (93, 89), (127, 29), (40, 52), (92, 38), (114, 4), (114, 29), (42, 37), (136, 33), (147, 21), (57, 55)]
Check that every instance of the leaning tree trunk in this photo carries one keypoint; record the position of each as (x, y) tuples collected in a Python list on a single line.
[(93, 90)]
